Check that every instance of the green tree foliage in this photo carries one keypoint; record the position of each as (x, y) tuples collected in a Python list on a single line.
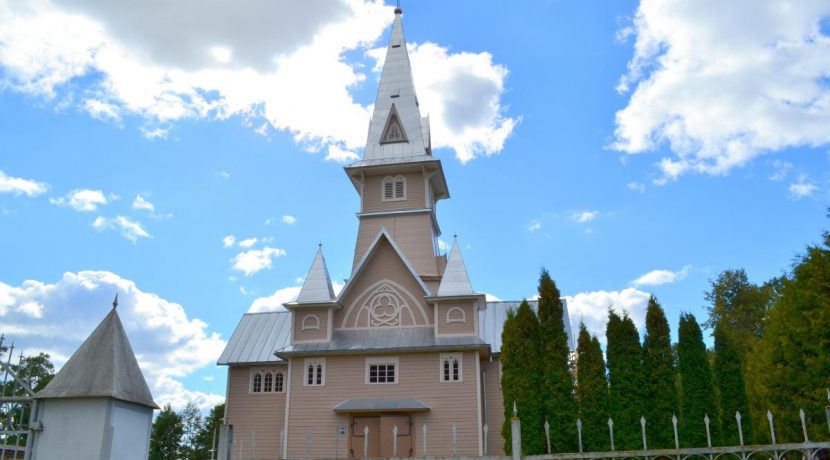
[(729, 378), (659, 378), (697, 386), (592, 393), (521, 379), (795, 344), (625, 380), (557, 390), (209, 433), (166, 435), (191, 426)]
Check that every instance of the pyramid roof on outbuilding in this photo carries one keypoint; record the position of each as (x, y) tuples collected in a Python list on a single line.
[(103, 366)]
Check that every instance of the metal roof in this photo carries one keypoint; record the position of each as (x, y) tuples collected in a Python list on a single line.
[(455, 280), (317, 284), (103, 366), (381, 405), (492, 318), (393, 339), (256, 337)]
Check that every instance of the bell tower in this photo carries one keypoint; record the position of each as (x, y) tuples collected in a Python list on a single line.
[(398, 179)]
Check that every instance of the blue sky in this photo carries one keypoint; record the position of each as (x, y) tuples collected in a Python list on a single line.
[(629, 147)]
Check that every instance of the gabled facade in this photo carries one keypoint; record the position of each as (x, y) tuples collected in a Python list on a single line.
[(406, 345)]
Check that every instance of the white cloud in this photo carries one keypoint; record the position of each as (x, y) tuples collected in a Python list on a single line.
[(130, 229), (658, 277), (584, 216), (19, 186), (228, 241), (83, 200), (782, 169), (288, 219), (168, 345), (443, 246), (248, 242), (534, 225), (274, 61), (636, 186), (592, 308), (802, 188), (721, 85), (274, 301), (143, 204), (490, 297), (255, 260), (225, 174)]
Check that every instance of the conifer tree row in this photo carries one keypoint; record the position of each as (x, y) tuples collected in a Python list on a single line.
[(659, 378), (625, 379), (729, 378), (697, 386), (592, 393)]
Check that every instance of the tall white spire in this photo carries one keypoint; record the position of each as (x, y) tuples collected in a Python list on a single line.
[(317, 285), (455, 280), (397, 132)]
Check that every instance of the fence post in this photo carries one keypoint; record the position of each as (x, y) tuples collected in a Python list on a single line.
[(308, 437), (485, 429), (579, 432), (454, 430), (643, 429), (827, 410), (547, 434), (708, 433), (424, 441), (611, 432), (516, 433), (395, 441), (803, 424), (676, 439), (365, 442), (282, 443)]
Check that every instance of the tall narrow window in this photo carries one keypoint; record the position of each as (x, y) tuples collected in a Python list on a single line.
[(451, 369), (278, 382), (268, 382), (394, 188), (315, 372), (256, 387)]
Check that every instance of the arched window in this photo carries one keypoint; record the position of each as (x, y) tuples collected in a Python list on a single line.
[(256, 386), (266, 388), (394, 188), (456, 315), (278, 382), (451, 367), (315, 372), (311, 322)]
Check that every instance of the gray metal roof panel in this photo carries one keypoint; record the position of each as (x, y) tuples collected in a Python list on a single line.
[(256, 337), (317, 285), (492, 318), (455, 280), (380, 405), (383, 339)]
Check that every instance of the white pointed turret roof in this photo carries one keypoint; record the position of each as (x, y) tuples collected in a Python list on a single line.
[(455, 280), (317, 286), (397, 89), (103, 366)]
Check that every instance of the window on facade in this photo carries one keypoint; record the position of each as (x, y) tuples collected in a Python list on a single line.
[(256, 387), (268, 383), (315, 372), (394, 188), (451, 368), (382, 370), (278, 382)]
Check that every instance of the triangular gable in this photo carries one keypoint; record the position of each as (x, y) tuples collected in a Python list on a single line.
[(393, 131), (367, 256)]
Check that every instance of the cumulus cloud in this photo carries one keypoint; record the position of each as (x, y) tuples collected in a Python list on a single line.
[(274, 301), (802, 188), (780, 170), (57, 317), (248, 242), (141, 203), (288, 219), (19, 186), (255, 260), (636, 186), (592, 308), (721, 83), (228, 241), (584, 216), (276, 62), (658, 277), (129, 229), (534, 225), (83, 200)]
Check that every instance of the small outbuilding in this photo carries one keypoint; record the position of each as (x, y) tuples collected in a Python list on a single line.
[(99, 405)]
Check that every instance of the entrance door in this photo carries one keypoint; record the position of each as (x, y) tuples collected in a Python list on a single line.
[(362, 441), (380, 441)]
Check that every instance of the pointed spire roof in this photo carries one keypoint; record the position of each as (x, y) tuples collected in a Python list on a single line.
[(455, 280), (103, 366), (397, 133), (317, 285)]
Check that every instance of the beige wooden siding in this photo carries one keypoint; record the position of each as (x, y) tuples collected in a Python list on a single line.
[(456, 328), (373, 194), (385, 265), (263, 413), (412, 233), (320, 334), (495, 406), (311, 407)]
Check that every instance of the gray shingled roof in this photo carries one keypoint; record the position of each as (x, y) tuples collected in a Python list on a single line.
[(317, 285), (256, 337), (103, 366), (455, 280)]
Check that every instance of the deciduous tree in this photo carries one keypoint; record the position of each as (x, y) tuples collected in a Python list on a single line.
[(166, 435)]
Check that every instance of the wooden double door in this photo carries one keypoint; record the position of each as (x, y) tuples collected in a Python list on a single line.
[(374, 436)]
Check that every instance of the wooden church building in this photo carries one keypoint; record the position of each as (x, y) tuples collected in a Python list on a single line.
[(404, 361)]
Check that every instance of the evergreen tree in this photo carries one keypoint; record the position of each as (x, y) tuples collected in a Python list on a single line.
[(166, 435), (592, 393), (729, 378), (697, 386), (208, 436), (521, 379), (795, 344), (557, 389), (625, 381), (659, 381)]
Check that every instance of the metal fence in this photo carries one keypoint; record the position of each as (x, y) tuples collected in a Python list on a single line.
[(16, 405)]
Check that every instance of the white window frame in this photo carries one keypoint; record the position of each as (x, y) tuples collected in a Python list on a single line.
[(311, 361), (394, 180), (263, 372), (448, 357), (310, 322), (386, 360), (254, 375), (462, 319)]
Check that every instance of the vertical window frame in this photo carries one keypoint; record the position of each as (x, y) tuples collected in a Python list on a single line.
[(314, 372), (451, 366), (386, 361)]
